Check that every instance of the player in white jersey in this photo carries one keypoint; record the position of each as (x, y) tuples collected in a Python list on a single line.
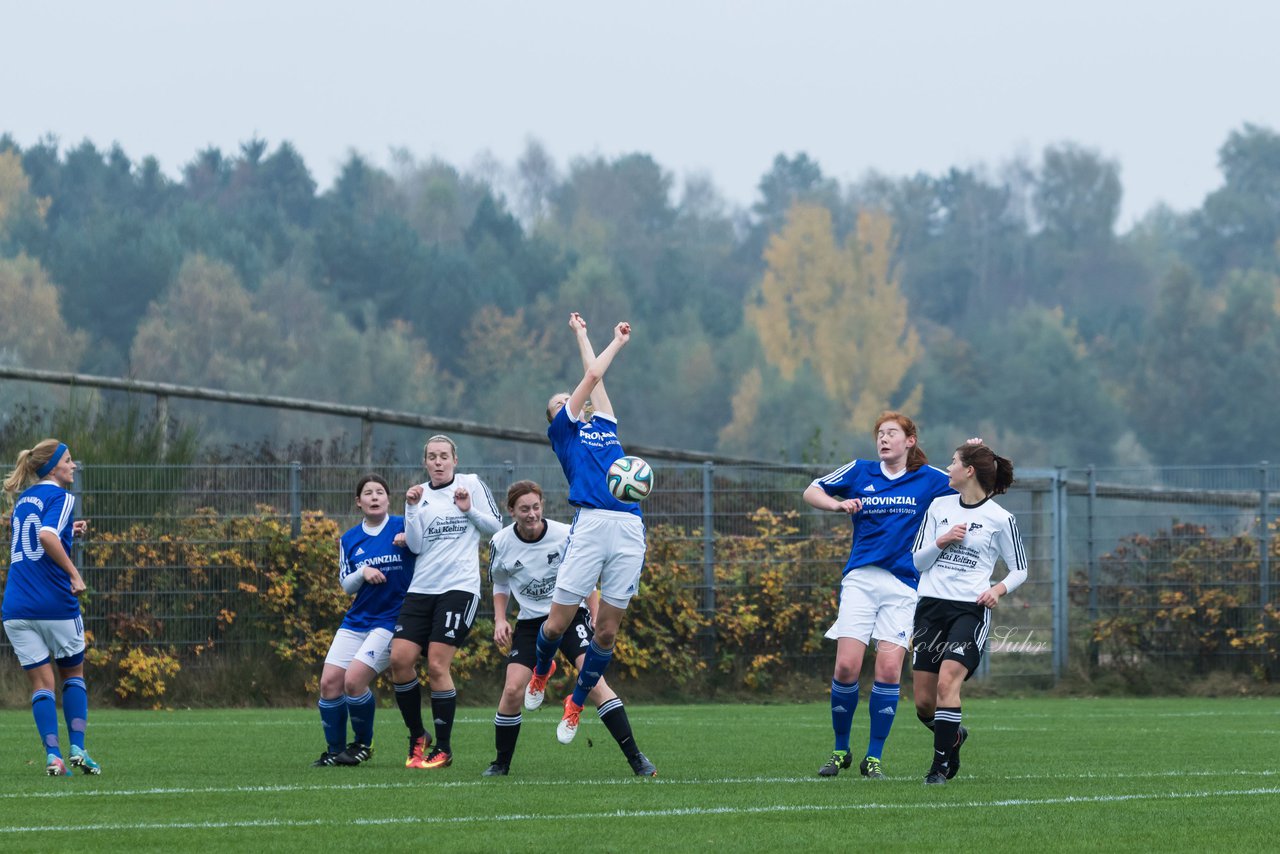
[(524, 560), (444, 520), (956, 551), (41, 612)]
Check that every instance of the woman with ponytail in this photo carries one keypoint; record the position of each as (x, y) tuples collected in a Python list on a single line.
[(40, 611), (885, 500), (956, 551)]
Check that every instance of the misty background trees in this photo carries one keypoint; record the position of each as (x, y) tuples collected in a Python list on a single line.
[(997, 300)]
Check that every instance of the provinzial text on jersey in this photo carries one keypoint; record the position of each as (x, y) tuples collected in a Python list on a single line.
[(598, 438), (886, 500)]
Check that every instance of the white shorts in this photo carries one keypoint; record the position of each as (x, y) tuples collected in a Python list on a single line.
[(371, 648), (38, 641), (875, 604), (606, 547)]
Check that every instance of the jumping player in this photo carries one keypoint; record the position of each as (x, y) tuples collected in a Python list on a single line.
[(607, 541), (375, 566), (444, 520), (886, 500), (955, 553), (41, 613), (524, 559)]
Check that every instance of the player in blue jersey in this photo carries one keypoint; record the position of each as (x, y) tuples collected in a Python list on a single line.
[(607, 542), (524, 560), (956, 551), (41, 613), (886, 500), (376, 566)]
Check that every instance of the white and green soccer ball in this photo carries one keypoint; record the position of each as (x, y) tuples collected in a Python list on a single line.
[(630, 479)]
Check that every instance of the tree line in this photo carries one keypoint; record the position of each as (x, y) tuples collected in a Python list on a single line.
[(999, 300)]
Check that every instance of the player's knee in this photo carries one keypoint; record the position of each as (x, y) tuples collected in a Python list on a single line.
[(847, 671), (512, 697), (331, 684), (605, 636), (437, 670)]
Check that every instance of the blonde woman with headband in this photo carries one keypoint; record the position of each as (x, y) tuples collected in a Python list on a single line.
[(40, 611), (444, 519)]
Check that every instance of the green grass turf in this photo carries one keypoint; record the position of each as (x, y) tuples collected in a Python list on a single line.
[(1038, 775)]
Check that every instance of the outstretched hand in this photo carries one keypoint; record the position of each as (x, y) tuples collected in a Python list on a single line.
[(622, 332), (576, 323)]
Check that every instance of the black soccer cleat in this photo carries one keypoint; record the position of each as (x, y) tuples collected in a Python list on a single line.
[(642, 766), (496, 769), (870, 768), (935, 777), (326, 760), (839, 759), (953, 761), (355, 754)]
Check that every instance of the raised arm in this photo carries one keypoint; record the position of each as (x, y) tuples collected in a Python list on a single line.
[(596, 370), (599, 397)]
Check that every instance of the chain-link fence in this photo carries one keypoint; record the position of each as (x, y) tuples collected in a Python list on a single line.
[(1126, 565)]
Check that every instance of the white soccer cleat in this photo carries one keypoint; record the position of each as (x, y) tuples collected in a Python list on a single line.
[(536, 691), (568, 726)]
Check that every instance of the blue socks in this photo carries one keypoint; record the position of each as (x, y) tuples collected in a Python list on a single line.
[(360, 710), (333, 717), (44, 708), (883, 709), (75, 709), (546, 652), (844, 700), (593, 667)]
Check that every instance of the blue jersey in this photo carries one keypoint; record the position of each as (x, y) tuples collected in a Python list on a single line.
[(376, 605), (37, 588), (892, 510), (585, 452)]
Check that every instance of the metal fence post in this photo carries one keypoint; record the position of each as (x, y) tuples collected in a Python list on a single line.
[(162, 424), (1090, 508), (1264, 536), (295, 497), (708, 561), (1059, 529), (366, 442)]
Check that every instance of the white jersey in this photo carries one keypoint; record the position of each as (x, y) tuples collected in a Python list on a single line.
[(527, 570), (962, 571), (446, 540)]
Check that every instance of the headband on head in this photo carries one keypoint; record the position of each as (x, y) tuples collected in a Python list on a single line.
[(52, 461)]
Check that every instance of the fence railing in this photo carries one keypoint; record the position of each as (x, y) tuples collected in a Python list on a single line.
[(1106, 547)]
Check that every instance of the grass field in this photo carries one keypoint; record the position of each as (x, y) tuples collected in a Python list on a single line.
[(1038, 775)]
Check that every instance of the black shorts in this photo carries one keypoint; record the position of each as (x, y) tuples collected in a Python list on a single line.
[(946, 630), (427, 618), (573, 643)]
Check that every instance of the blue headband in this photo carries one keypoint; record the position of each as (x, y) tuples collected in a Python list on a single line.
[(53, 461)]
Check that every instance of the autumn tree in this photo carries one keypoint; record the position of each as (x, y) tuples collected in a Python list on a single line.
[(205, 331), (839, 310), (32, 331)]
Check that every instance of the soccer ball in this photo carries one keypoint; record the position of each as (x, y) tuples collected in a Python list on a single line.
[(630, 479)]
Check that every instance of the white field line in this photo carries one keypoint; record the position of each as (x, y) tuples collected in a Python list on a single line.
[(616, 814), (287, 788)]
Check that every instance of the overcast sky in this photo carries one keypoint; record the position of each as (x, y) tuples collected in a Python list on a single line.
[(717, 88)]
